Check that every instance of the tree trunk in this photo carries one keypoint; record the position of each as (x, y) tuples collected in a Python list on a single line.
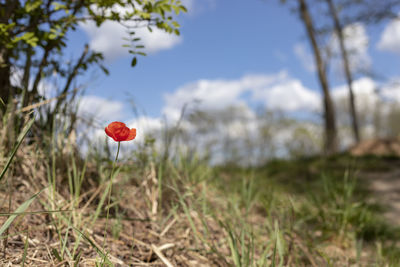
[(329, 110), (5, 85), (346, 67), (6, 10)]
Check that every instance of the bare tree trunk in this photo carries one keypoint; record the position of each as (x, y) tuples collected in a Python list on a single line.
[(5, 74), (346, 67), (6, 10), (329, 110)]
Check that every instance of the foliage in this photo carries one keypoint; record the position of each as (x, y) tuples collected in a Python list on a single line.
[(34, 36)]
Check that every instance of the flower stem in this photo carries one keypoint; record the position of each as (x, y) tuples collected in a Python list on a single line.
[(109, 194)]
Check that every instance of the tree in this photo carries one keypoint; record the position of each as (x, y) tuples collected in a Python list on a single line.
[(33, 35), (329, 111), (346, 66), (369, 11)]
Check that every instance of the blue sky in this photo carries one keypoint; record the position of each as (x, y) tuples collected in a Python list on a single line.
[(229, 42)]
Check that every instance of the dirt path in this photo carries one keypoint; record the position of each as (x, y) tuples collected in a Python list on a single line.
[(386, 190)]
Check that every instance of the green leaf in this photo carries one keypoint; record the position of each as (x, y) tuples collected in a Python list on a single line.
[(28, 37), (104, 69), (175, 24), (58, 6), (30, 6), (176, 9), (167, 8), (184, 9), (52, 36), (19, 141), (134, 62)]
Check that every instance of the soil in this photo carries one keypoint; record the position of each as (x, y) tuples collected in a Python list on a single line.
[(385, 188), (377, 147), (384, 184)]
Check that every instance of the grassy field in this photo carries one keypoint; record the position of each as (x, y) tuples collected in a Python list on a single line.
[(181, 211)]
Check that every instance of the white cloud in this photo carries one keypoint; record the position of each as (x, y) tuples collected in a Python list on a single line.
[(290, 95), (364, 91), (276, 91), (356, 41), (46, 87), (100, 109), (108, 39), (16, 77), (356, 38), (144, 126), (203, 94), (390, 38), (230, 124), (373, 103), (368, 94), (157, 40), (391, 90), (305, 57)]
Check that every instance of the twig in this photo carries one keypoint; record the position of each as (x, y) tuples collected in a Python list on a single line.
[(166, 246), (168, 227), (161, 256)]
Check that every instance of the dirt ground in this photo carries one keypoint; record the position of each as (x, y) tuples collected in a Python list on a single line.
[(385, 187), (384, 184)]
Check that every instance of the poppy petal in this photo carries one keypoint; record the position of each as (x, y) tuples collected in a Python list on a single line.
[(115, 125), (109, 133), (132, 134), (122, 134)]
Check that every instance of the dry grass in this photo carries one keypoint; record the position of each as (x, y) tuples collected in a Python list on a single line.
[(142, 236), (188, 214)]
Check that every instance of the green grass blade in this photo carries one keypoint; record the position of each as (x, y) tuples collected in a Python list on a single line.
[(33, 212), (56, 254), (98, 250), (25, 250), (101, 204), (77, 258), (234, 249), (20, 209), (273, 264), (92, 244), (19, 141)]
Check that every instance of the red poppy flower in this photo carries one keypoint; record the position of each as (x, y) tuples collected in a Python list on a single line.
[(119, 132)]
